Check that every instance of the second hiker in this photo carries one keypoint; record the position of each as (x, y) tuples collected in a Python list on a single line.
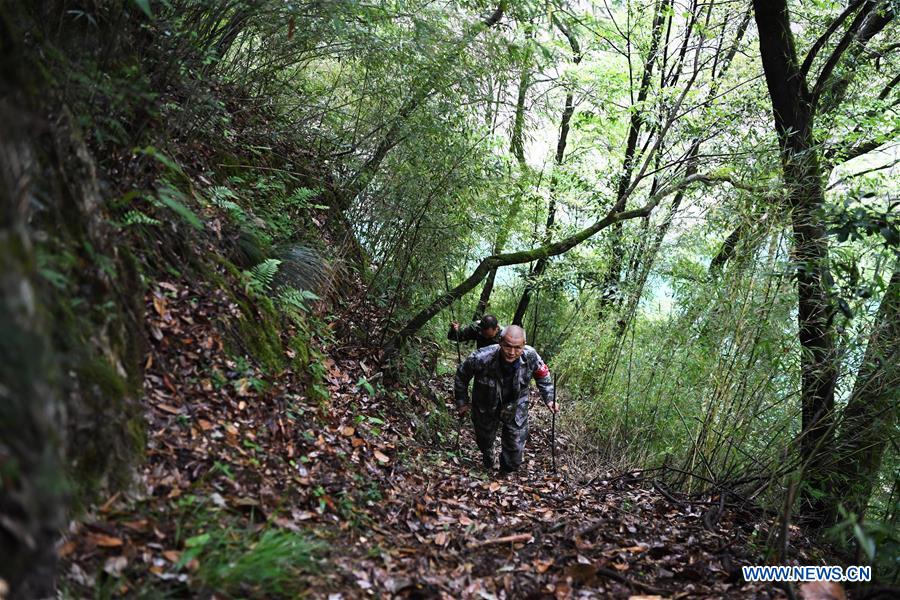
[(485, 332)]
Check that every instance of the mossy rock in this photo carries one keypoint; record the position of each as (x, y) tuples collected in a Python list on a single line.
[(107, 431), (258, 333)]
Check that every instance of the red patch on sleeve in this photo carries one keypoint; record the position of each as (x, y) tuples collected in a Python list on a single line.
[(542, 371)]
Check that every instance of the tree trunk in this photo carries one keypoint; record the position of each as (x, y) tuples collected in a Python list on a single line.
[(562, 140), (870, 417), (793, 114), (485, 298), (367, 172), (32, 432)]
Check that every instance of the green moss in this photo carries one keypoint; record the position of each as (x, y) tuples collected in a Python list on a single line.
[(300, 345), (229, 267), (109, 384), (109, 435), (258, 334)]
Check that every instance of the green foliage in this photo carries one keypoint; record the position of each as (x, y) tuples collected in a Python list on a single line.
[(144, 5), (857, 218), (676, 387), (175, 200), (295, 302), (873, 540), (300, 199), (172, 167), (135, 217), (669, 363), (56, 267), (243, 562), (224, 197), (364, 385), (259, 279), (237, 560)]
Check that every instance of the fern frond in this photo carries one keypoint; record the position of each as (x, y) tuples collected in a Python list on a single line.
[(260, 277), (266, 270), (301, 196), (136, 217), (223, 197)]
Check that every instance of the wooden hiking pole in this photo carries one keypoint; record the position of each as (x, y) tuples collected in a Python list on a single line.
[(553, 440), (553, 430), (458, 358)]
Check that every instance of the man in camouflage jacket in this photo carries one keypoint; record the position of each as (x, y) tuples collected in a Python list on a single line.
[(484, 332), (502, 375)]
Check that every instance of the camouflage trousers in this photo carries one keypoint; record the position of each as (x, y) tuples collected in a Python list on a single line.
[(513, 435)]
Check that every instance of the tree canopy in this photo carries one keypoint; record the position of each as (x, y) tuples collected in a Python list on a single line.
[(691, 208)]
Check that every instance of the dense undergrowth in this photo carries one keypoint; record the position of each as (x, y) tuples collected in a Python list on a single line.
[(120, 202), (207, 218)]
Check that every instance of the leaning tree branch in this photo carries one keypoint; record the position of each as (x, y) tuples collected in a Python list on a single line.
[(811, 55), (838, 51), (870, 21), (554, 249), (848, 152)]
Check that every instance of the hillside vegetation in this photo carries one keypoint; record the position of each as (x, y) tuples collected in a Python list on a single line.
[(233, 234)]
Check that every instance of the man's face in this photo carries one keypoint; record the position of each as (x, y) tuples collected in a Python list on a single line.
[(489, 332), (512, 348)]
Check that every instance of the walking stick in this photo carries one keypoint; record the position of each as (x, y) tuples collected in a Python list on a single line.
[(553, 440), (458, 358), (553, 431)]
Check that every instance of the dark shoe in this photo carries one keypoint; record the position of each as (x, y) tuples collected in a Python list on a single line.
[(506, 469)]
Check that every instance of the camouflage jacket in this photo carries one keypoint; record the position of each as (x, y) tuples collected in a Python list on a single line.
[(485, 366), (473, 332)]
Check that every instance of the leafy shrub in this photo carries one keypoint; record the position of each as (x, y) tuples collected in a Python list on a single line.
[(259, 279), (239, 562)]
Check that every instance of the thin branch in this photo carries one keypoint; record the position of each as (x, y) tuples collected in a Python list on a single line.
[(807, 63), (860, 32), (554, 249), (861, 173)]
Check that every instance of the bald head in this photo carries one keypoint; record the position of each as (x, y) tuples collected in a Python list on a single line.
[(514, 334), (512, 344)]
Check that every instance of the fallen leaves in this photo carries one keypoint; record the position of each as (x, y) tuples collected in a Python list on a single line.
[(66, 549), (522, 538), (104, 541), (114, 565), (542, 566), (226, 438), (822, 590), (138, 526), (172, 410)]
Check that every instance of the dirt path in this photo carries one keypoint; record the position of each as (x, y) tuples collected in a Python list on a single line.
[(448, 529), (391, 509)]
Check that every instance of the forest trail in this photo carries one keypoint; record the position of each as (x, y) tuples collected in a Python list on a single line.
[(232, 235), (390, 507)]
